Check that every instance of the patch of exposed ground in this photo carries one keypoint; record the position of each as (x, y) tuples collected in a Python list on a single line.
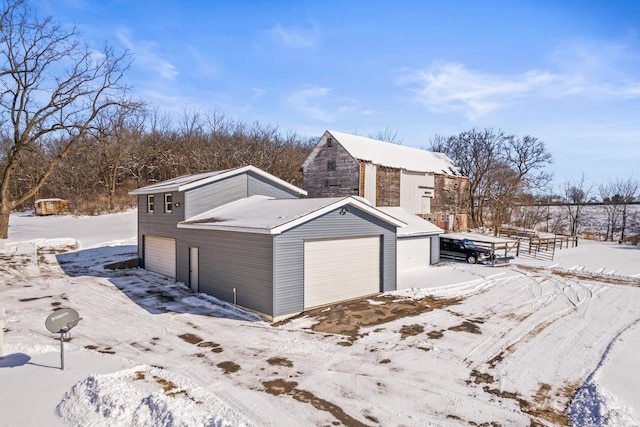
[(540, 408), (279, 386), (481, 377), (411, 330), (435, 334), (228, 367), (103, 350), (190, 338), (56, 250), (613, 280), (466, 327), (348, 317), (215, 348), (280, 361), (168, 387), (34, 298)]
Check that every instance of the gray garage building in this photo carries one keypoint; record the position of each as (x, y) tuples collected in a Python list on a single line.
[(244, 236)]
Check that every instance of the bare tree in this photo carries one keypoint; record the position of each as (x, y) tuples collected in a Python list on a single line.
[(628, 190), (500, 168), (611, 204), (52, 89), (387, 135), (577, 194)]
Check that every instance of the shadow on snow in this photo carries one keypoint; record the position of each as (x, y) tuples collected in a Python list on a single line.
[(154, 292)]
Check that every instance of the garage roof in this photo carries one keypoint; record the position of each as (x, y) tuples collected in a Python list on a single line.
[(262, 214), (416, 226), (187, 182)]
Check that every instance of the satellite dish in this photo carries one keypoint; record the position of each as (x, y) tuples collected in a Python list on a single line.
[(62, 320)]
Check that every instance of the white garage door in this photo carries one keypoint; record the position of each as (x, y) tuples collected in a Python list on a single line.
[(160, 255), (413, 252), (340, 269)]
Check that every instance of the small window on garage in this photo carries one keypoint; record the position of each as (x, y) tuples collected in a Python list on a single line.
[(329, 142), (150, 203), (326, 183), (168, 202), (331, 165)]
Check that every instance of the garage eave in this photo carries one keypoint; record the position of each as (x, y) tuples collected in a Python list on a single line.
[(227, 228)]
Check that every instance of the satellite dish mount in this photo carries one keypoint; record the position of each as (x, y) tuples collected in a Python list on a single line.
[(60, 322)]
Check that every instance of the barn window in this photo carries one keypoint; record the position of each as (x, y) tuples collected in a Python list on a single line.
[(329, 142), (150, 203), (331, 166), (168, 202)]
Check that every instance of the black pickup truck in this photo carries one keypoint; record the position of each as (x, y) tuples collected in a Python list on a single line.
[(464, 249)]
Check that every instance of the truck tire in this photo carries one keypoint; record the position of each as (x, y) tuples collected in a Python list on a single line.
[(471, 259)]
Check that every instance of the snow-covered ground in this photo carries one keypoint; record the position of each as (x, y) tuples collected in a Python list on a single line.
[(506, 345)]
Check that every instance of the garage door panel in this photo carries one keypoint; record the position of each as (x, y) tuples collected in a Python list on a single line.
[(413, 253), (339, 269), (160, 255)]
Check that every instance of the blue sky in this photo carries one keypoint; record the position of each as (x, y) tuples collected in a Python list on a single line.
[(565, 72)]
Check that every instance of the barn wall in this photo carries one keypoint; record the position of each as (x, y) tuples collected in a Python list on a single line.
[(415, 187), (319, 181), (387, 186)]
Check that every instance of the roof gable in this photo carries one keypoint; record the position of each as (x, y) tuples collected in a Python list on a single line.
[(391, 155), (187, 182)]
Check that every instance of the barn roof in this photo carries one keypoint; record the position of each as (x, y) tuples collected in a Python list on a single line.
[(262, 214), (393, 155), (186, 182)]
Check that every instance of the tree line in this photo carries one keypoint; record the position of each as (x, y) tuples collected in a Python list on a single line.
[(70, 128)]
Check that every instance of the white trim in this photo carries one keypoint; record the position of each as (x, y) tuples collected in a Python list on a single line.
[(156, 189), (226, 228), (305, 218), (168, 206), (346, 201), (238, 171)]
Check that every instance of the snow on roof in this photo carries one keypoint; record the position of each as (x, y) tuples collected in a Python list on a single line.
[(262, 214), (186, 182), (394, 155), (416, 226)]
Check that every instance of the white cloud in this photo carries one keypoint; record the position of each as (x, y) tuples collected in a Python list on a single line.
[(446, 87), (257, 93), (202, 64), (306, 101), (452, 87), (145, 54), (296, 38)]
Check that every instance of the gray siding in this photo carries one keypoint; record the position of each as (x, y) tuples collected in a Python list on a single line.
[(289, 253), (230, 260), (158, 223), (258, 185), (202, 199), (435, 249)]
